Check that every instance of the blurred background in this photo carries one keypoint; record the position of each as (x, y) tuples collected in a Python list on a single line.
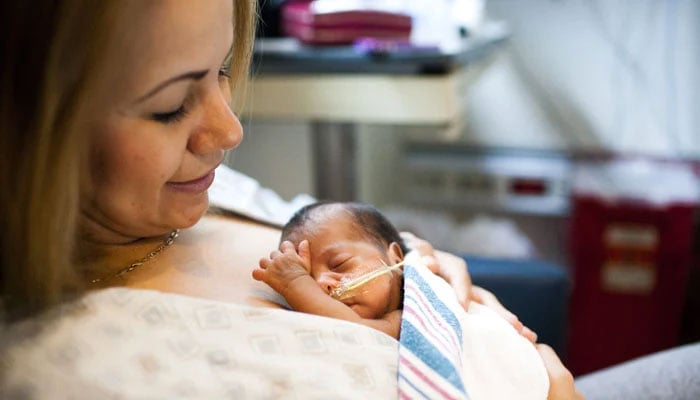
[(553, 143)]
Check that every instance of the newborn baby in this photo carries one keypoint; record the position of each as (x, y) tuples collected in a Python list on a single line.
[(326, 245)]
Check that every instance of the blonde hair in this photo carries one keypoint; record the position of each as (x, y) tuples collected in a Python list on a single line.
[(50, 53)]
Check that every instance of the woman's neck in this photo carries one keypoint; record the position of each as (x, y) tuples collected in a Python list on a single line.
[(103, 251), (95, 229)]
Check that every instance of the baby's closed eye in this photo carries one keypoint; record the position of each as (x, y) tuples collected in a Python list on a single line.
[(341, 261)]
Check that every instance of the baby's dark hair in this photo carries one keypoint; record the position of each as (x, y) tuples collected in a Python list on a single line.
[(367, 218)]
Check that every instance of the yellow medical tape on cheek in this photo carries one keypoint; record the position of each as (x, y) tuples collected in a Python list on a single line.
[(352, 287)]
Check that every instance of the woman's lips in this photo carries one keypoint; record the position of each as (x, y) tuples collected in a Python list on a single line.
[(198, 185)]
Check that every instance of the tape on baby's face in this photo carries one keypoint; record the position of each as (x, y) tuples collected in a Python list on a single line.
[(351, 284), (357, 285)]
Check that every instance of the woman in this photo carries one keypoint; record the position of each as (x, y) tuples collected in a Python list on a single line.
[(114, 115)]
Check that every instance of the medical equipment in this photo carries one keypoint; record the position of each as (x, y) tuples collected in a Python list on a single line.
[(350, 287)]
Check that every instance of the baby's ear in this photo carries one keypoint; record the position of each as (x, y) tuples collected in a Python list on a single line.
[(395, 253)]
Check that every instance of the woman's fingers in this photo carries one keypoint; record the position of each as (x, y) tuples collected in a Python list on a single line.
[(424, 247), (488, 299), (449, 267), (529, 334), (483, 296), (561, 382), (454, 270), (555, 368), (432, 264), (461, 286)]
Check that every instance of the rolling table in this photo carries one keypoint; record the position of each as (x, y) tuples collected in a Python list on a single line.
[(336, 88)]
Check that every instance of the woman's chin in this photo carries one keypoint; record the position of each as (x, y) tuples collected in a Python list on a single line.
[(189, 214)]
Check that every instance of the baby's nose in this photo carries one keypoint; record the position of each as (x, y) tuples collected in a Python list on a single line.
[(328, 281)]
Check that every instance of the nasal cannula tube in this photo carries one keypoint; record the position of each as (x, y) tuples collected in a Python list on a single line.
[(349, 288)]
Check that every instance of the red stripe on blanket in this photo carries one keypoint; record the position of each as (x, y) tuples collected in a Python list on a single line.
[(447, 331), (406, 362), (447, 349)]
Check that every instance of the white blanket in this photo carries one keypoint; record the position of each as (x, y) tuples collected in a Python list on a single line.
[(449, 353)]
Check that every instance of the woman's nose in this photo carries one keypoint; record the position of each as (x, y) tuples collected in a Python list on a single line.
[(328, 281), (218, 130)]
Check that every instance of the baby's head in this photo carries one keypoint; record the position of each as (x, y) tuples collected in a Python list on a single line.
[(347, 240)]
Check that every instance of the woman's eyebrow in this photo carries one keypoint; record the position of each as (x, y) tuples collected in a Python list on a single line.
[(194, 75)]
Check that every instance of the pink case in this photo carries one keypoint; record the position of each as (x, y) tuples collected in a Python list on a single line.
[(343, 27)]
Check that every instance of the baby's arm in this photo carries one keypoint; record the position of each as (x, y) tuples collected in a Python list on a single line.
[(287, 271)]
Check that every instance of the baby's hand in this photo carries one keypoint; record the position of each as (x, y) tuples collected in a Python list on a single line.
[(284, 266)]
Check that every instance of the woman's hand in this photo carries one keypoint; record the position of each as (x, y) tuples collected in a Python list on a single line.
[(449, 267), (483, 296), (454, 270), (561, 382)]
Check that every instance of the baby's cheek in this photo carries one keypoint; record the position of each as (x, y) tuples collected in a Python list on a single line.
[(369, 306)]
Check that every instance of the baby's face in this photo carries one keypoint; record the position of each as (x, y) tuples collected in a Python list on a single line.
[(339, 252)]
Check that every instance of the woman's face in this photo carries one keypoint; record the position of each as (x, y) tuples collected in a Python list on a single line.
[(159, 118)]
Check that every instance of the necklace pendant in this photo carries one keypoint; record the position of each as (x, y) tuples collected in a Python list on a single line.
[(164, 245)]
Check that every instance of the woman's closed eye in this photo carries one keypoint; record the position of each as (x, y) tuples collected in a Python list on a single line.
[(170, 116), (178, 114)]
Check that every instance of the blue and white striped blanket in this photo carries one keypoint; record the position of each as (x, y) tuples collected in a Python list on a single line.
[(447, 353)]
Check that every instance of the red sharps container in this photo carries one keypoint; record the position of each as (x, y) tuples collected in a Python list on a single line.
[(630, 248)]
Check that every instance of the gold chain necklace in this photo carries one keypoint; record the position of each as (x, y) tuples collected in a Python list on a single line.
[(166, 243)]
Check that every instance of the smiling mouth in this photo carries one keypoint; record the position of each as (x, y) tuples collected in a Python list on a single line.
[(197, 185)]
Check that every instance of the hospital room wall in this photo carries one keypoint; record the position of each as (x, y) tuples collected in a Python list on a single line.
[(590, 74), (576, 75)]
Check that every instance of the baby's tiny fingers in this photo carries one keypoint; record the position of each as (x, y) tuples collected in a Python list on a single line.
[(303, 249), (287, 246), (265, 263), (259, 274), (274, 254)]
